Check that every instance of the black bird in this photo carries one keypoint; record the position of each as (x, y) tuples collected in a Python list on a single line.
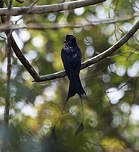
[(71, 57)]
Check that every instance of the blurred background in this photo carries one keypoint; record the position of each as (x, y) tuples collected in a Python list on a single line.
[(111, 110)]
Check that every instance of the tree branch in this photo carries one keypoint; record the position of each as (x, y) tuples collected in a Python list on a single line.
[(8, 51), (97, 58), (49, 8), (113, 48), (23, 60), (7, 101), (6, 27), (6, 19), (85, 64)]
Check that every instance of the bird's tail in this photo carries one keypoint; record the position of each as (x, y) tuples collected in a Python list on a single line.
[(75, 86)]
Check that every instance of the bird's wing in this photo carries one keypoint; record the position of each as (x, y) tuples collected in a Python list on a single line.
[(76, 59), (71, 59), (65, 58)]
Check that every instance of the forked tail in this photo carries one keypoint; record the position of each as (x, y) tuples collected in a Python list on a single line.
[(75, 86)]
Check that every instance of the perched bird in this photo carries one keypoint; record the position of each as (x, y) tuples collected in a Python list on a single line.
[(71, 57)]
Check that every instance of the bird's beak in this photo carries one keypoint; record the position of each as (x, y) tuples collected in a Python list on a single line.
[(64, 41)]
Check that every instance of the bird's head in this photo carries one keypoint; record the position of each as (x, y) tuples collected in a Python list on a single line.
[(70, 40)]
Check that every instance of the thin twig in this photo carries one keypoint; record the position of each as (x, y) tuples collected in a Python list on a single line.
[(10, 4), (20, 1), (6, 27), (32, 4), (2, 37), (49, 8), (116, 6)]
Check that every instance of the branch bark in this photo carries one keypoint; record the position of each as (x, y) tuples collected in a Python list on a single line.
[(97, 58), (7, 102), (113, 48), (6, 19), (6, 27), (85, 64), (23, 60), (48, 8)]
